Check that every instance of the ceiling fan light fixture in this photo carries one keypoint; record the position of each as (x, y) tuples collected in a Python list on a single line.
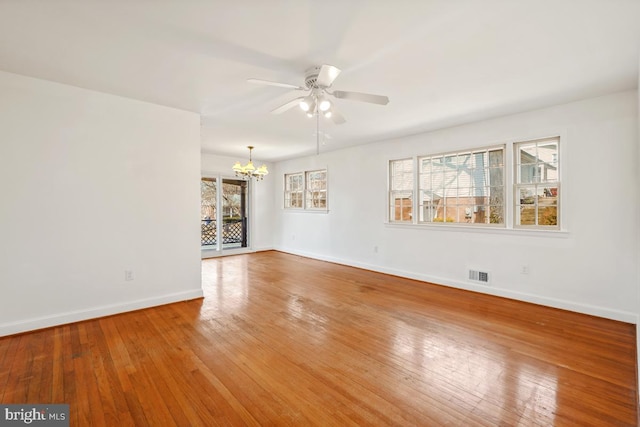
[(328, 114), (307, 103), (324, 104)]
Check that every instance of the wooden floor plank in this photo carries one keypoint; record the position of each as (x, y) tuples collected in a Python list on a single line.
[(285, 340)]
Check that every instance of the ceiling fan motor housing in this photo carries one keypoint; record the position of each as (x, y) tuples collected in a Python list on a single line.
[(311, 77)]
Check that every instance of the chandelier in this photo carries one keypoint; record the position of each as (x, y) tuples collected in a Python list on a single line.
[(249, 171)]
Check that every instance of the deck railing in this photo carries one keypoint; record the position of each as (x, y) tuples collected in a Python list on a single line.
[(231, 232)]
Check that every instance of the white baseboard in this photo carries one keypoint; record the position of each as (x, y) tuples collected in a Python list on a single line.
[(95, 312), (606, 313), (208, 253)]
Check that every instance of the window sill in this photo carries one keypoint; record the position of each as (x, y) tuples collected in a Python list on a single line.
[(483, 230), (311, 211)]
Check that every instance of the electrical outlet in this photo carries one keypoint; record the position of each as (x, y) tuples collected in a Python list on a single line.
[(375, 249), (524, 269), (128, 275)]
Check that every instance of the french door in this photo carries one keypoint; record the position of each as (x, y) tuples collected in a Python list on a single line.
[(224, 213)]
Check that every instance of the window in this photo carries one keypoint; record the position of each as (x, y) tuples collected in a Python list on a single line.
[(401, 190), (293, 190), (306, 190), (537, 183), (316, 189), (470, 187), (463, 187)]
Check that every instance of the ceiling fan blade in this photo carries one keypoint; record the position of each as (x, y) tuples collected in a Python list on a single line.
[(270, 83), (287, 106), (364, 97), (337, 117), (327, 75)]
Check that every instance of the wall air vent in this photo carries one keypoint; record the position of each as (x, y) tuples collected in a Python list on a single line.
[(479, 276)]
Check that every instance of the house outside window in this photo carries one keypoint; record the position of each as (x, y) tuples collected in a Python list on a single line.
[(537, 184), (401, 190), (293, 190), (464, 187)]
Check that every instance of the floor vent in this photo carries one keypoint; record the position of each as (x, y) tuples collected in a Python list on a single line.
[(479, 276)]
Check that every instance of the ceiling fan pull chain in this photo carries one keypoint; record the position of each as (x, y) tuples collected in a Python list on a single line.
[(317, 134)]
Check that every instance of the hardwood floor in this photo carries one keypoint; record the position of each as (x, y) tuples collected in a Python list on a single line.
[(284, 340)]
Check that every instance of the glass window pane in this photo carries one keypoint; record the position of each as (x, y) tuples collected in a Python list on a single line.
[(546, 197), (548, 215), (496, 214), (401, 206), (437, 165), (496, 176), (479, 160), (425, 165), (451, 178), (402, 174), (529, 174), (527, 196), (527, 215), (464, 160), (496, 158), (466, 213), (496, 195), (426, 196), (527, 154), (425, 181), (427, 212)]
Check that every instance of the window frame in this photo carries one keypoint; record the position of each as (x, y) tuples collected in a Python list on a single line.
[(510, 188), (289, 191), (470, 208), (306, 192), (309, 198), (391, 199), (537, 183)]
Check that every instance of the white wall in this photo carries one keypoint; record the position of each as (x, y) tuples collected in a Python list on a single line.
[(591, 268), (261, 203), (638, 243), (92, 185)]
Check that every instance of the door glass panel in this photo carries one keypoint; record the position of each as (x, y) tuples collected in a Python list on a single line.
[(208, 212), (234, 214)]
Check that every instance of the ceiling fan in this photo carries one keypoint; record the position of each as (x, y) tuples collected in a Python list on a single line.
[(319, 98)]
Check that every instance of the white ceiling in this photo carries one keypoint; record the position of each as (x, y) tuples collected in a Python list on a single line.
[(441, 63)]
